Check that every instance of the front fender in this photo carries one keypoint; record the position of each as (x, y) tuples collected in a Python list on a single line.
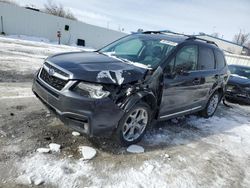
[(146, 96)]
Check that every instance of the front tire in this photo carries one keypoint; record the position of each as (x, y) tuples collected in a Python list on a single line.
[(133, 124), (211, 106)]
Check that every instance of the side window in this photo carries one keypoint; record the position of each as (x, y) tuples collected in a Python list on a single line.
[(131, 47), (206, 59), (170, 66), (186, 59), (220, 61)]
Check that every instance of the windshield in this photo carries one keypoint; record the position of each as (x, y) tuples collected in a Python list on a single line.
[(140, 49), (240, 71)]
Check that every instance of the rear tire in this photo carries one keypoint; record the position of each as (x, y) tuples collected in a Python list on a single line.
[(133, 124), (211, 106)]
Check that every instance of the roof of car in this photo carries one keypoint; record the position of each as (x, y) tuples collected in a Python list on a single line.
[(178, 38)]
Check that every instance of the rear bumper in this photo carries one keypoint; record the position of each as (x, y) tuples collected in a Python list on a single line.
[(92, 117)]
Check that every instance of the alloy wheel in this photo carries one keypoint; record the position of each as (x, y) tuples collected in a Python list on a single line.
[(135, 124), (213, 103)]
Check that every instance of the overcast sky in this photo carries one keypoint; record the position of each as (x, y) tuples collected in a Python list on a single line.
[(226, 17)]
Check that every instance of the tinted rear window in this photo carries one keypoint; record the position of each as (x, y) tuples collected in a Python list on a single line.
[(220, 61), (206, 59)]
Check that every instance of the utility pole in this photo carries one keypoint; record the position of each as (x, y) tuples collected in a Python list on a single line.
[(2, 26), (59, 36)]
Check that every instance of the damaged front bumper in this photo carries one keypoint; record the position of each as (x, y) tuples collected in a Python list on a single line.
[(94, 117), (241, 97)]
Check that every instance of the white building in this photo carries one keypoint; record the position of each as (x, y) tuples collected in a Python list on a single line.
[(21, 21), (225, 45)]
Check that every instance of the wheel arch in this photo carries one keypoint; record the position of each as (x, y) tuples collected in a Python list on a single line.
[(219, 88), (147, 97)]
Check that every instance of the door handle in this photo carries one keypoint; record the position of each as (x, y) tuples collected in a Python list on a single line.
[(196, 81)]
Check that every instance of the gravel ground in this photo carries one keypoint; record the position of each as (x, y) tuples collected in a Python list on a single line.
[(188, 152)]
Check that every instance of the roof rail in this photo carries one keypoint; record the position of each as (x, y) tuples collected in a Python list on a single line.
[(165, 31), (207, 41), (150, 32), (190, 37)]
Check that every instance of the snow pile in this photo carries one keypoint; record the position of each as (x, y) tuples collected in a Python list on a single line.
[(43, 150), (54, 147), (135, 149), (87, 152), (74, 133)]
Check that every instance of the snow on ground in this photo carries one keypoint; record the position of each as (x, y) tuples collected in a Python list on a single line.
[(87, 152), (14, 90), (29, 38), (63, 173), (190, 152), (216, 154), (27, 56), (44, 40)]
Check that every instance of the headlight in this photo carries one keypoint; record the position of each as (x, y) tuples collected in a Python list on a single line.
[(94, 91)]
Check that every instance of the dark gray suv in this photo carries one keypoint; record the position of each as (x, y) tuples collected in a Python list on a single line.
[(122, 87)]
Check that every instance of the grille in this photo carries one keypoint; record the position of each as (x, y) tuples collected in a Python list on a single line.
[(56, 69), (53, 81)]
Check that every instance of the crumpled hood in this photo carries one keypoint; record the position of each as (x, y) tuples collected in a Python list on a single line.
[(99, 68), (238, 80)]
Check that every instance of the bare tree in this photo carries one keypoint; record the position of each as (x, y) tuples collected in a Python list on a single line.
[(241, 38), (248, 44), (58, 10)]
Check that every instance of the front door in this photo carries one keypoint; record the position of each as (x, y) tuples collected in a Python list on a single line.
[(182, 83)]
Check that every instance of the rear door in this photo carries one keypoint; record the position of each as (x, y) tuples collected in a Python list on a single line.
[(207, 68), (222, 69), (181, 90)]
